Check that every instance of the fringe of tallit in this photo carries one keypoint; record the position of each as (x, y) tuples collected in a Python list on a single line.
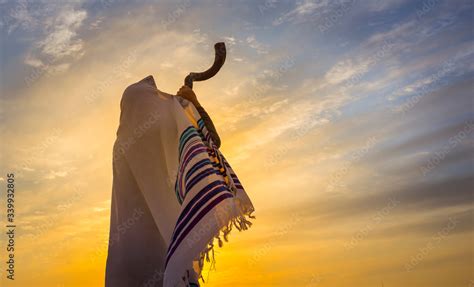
[(241, 222)]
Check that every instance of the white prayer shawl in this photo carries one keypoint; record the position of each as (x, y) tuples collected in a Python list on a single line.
[(166, 164)]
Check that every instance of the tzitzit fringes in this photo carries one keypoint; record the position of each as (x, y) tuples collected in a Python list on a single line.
[(250, 215), (226, 230), (240, 222)]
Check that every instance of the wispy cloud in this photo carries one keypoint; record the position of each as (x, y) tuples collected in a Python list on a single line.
[(303, 11), (253, 43), (61, 39), (56, 42), (297, 109)]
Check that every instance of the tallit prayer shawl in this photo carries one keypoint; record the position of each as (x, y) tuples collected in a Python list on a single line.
[(174, 194)]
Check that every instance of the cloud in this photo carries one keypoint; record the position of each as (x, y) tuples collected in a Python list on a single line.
[(414, 199), (18, 16), (302, 11), (344, 70), (94, 25), (259, 47), (230, 40), (56, 42), (324, 11), (101, 209), (282, 129), (61, 40), (55, 174), (379, 6)]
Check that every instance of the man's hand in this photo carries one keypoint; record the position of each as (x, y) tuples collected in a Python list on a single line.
[(187, 93)]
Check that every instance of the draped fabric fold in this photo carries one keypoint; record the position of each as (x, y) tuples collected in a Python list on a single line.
[(167, 167)]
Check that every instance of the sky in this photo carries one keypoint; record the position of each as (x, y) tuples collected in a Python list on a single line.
[(349, 123)]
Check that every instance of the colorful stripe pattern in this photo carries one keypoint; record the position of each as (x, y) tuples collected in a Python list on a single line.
[(203, 174), (212, 200)]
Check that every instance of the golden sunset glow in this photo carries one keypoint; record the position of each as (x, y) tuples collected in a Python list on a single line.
[(352, 136)]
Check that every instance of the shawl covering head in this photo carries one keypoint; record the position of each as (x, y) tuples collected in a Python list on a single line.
[(168, 170)]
